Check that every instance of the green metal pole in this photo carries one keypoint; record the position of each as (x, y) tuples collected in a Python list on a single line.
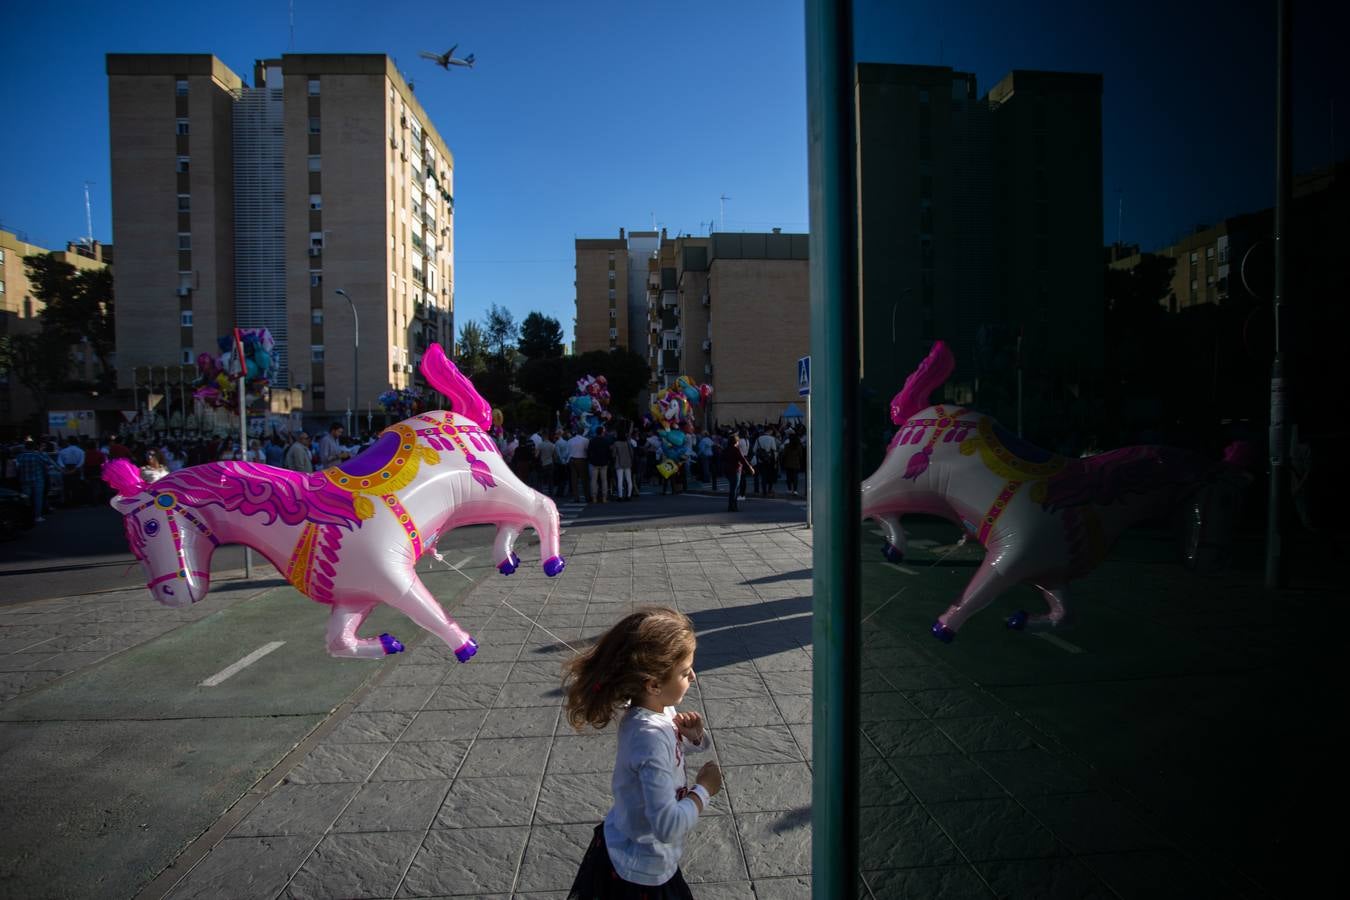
[(1279, 389), (835, 433)]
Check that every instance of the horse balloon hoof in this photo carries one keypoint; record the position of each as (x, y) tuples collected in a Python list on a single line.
[(891, 552), (943, 633), (1018, 620), (466, 652), (509, 565), (554, 565), (391, 644)]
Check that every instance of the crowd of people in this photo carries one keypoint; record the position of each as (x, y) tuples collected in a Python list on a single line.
[(616, 463)]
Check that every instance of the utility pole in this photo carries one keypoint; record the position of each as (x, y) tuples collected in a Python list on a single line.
[(1279, 400)]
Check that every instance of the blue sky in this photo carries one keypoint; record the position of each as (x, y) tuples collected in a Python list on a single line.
[(582, 117)]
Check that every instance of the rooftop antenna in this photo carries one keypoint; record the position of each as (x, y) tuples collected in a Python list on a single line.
[(292, 26), (723, 226), (1120, 213), (88, 217)]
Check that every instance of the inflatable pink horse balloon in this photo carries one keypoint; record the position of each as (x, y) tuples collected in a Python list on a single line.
[(347, 536), (1043, 519)]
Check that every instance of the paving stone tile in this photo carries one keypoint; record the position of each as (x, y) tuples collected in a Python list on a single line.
[(422, 760), (393, 806), (396, 698), (776, 843), (934, 779), (789, 682), (930, 882), (543, 693), (572, 798), (750, 746), (416, 674), (355, 866), (794, 708), (489, 802), (552, 856), (245, 868), (1153, 874), (902, 836), (524, 721), (994, 829), (1051, 878), (465, 861), (506, 756), (445, 725), (979, 734), (296, 809), (794, 660), (945, 703), (328, 763), (917, 678), (573, 753), (477, 672), (1026, 773), (1092, 823), (882, 706), (727, 890), (733, 685), (710, 852), (491, 652), (740, 712), (768, 788), (797, 887), (369, 728), (801, 735), (467, 695), (879, 785), (907, 737)]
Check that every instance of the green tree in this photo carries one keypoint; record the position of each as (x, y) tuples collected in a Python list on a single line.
[(39, 361), (627, 373), (550, 381), (502, 335), (540, 337), (78, 305), (473, 349)]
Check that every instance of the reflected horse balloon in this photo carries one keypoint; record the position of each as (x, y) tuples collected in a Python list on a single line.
[(1043, 519), (347, 536)]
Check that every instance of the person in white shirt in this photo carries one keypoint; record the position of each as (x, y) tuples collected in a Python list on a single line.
[(576, 454), (639, 670)]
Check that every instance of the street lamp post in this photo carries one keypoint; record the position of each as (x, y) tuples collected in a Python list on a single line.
[(356, 350)]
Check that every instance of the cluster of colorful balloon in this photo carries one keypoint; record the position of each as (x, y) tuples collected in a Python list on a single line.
[(590, 404), (401, 402), (218, 376), (673, 414)]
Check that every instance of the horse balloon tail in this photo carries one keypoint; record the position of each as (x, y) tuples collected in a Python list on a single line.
[(931, 374), (446, 377)]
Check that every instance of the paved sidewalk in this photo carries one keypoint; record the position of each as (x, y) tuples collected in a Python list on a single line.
[(466, 780)]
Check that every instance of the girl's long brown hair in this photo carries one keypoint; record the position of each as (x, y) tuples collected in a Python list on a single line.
[(642, 647)]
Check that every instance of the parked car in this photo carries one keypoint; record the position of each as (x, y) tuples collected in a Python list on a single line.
[(16, 513)]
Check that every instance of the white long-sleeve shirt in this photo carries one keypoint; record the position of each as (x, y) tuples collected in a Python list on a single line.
[(652, 812)]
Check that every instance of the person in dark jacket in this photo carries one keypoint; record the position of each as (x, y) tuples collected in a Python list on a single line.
[(735, 465)]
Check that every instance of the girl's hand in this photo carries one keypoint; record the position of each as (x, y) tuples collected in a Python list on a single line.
[(689, 725)]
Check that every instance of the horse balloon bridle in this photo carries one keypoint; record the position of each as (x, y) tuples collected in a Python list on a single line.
[(168, 503)]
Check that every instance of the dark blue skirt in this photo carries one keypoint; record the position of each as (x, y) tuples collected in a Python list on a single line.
[(597, 880)]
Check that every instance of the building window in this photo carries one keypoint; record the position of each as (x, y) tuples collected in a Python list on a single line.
[(316, 201), (185, 318), (319, 392), (182, 126), (184, 203), (611, 293), (316, 353), (316, 279), (611, 256), (186, 358), (180, 87), (613, 313), (316, 317), (613, 333), (184, 241), (611, 276), (1209, 252), (313, 124), (316, 240), (1195, 257), (315, 164), (1193, 285), (2, 287), (314, 87), (2, 257), (182, 165)]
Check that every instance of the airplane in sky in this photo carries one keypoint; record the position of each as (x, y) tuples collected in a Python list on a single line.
[(447, 59)]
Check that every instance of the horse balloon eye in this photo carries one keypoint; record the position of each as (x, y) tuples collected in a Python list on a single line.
[(152, 528)]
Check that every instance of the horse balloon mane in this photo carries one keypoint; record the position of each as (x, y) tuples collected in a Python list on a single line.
[(348, 536), (1043, 519)]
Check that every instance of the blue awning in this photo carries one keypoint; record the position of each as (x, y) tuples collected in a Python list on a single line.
[(793, 412)]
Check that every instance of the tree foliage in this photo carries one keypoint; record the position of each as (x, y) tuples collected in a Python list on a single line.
[(79, 304), (541, 337), (502, 335), (40, 361), (473, 349)]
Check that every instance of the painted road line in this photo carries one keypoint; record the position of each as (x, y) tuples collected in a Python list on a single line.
[(463, 562), (900, 568), (242, 664), (1060, 642)]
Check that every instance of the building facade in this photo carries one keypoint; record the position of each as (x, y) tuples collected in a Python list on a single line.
[(980, 224), (252, 205)]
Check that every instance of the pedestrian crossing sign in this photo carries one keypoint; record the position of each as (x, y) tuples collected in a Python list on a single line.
[(804, 376)]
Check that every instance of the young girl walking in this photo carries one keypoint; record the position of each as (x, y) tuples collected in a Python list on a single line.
[(639, 671)]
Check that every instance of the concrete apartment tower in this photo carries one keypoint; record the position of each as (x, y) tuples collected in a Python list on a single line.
[(251, 206), (611, 294), (980, 218)]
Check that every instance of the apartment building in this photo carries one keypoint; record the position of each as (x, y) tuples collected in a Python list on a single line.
[(980, 219), (253, 205)]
